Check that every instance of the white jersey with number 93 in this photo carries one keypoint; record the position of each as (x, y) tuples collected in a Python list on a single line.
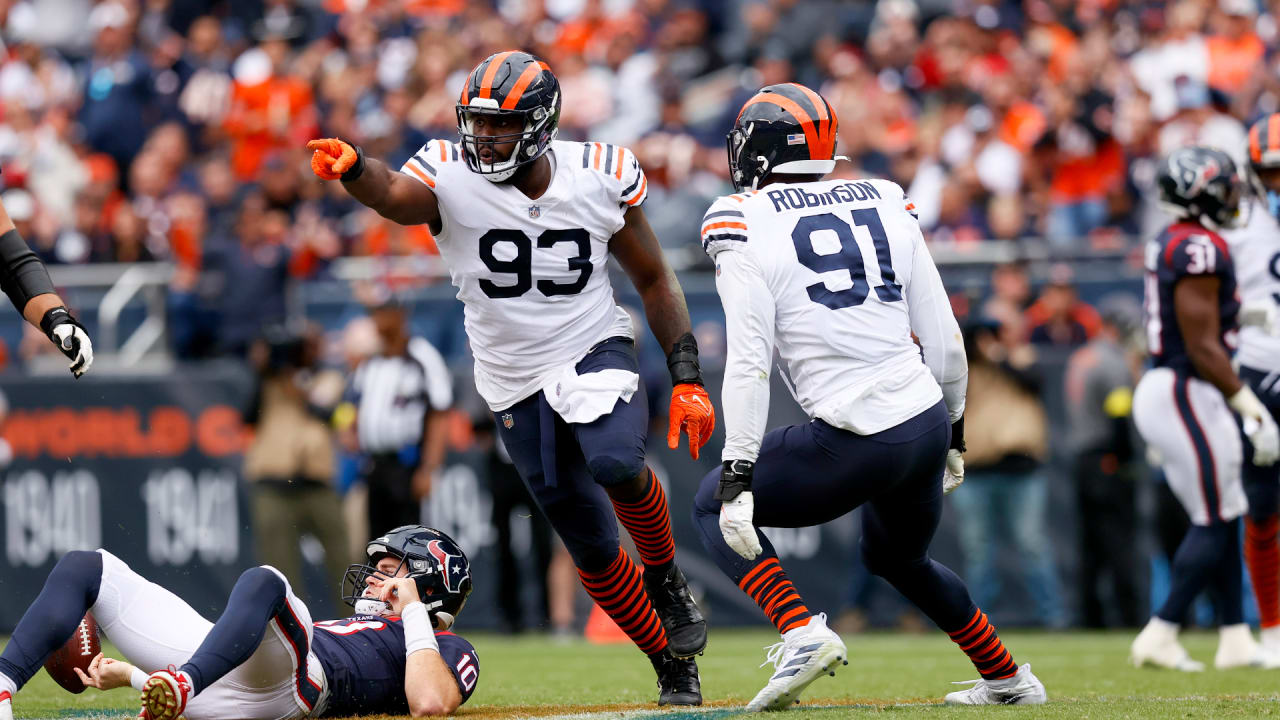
[(532, 274)]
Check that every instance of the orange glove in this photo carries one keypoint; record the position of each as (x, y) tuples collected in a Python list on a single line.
[(691, 412), (332, 158)]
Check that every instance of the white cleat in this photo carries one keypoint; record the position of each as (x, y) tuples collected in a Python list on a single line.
[(6, 705), (804, 654), (1024, 688), (1236, 649), (1270, 639), (165, 694), (1157, 645)]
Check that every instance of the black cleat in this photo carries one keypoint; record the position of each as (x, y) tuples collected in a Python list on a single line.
[(686, 628), (678, 681)]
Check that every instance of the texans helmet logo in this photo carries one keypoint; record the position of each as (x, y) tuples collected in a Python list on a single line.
[(1193, 177), (451, 566)]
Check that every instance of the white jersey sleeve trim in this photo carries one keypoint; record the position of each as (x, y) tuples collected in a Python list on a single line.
[(438, 382), (749, 324), (723, 226), (934, 324)]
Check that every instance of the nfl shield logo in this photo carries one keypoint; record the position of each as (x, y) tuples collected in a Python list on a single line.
[(507, 421), (795, 139), (534, 211)]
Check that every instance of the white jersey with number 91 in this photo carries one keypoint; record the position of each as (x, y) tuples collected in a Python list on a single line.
[(837, 275), (532, 274)]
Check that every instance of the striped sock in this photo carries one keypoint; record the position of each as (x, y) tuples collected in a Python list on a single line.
[(979, 641), (649, 523), (768, 584), (1262, 555), (619, 591)]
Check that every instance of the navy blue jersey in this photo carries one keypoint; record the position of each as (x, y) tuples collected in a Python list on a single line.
[(1185, 250), (363, 658)]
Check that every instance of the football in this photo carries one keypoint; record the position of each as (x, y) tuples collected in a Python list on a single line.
[(77, 652)]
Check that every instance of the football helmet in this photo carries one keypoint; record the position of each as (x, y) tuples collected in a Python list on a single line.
[(435, 562), (785, 128), (1264, 154), (1201, 184), (510, 83)]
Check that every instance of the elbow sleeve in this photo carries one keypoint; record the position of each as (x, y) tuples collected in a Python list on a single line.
[(22, 275)]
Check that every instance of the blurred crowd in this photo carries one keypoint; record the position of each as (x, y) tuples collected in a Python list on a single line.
[(174, 129)]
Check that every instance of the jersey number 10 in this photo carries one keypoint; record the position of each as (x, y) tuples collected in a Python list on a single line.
[(848, 258)]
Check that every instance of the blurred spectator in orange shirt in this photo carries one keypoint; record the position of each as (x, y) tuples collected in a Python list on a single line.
[(270, 110), (1059, 317), (1235, 50)]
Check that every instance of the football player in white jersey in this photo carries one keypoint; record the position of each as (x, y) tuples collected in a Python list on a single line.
[(526, 225), (836, 277), (1255, 250)]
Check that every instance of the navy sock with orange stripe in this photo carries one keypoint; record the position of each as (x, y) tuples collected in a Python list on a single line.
[(1262, 554), (978, 640), (767, 583), (619, 591), (648, 521)]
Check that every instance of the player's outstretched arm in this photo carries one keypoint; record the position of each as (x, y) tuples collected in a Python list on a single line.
[(26, 281), (640, 255), (393, 195)]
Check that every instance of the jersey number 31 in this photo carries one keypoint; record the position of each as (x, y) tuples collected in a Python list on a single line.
[(848, 258)]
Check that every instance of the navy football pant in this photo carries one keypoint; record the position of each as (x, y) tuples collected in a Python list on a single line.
[(570, 470), (809, 474), (567, 467), (69, 591), (1262, 524)]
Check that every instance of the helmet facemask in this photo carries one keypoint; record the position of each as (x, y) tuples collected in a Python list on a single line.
[(540, 129)]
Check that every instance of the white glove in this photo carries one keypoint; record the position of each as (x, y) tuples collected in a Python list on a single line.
[(74, 342), (953, 474), (1258, 426), (1259, 314), (737, 527)]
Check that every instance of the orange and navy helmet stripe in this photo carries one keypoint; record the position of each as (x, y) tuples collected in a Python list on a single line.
[(816, 118), (491, 71), (1264, 141), (531, 71)]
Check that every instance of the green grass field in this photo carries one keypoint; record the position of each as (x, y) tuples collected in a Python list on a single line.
[(889, 675)]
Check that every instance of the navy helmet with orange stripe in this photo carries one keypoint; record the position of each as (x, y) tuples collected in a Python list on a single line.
[(1202, 185), (785, 129), (1264, 160), (509, 83)]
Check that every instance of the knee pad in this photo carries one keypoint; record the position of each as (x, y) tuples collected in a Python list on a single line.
[(614, 466), (263, 581), (79, 571)]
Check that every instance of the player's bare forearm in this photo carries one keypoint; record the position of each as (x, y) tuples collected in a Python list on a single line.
[(430, 686), (37, 306), (394, 195), (1195, 301), (640, 255), (433, 445)]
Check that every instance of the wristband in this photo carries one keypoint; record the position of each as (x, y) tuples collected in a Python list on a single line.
[(418, 634), (735, 479), (682, 361), (957, 435), (355, 171), (137, 679)]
